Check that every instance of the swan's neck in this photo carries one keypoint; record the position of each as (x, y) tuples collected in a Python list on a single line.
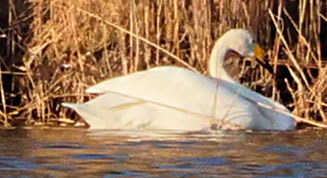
[(217, 58)]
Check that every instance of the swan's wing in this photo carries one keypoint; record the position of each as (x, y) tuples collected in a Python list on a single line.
[(171, 86)]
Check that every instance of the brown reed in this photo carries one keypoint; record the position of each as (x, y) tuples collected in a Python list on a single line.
[(77, 43)]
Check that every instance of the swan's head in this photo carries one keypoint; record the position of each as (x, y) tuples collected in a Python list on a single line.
[(242, 43), (239, 42)]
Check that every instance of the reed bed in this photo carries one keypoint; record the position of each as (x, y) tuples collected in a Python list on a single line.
[(76, 43)]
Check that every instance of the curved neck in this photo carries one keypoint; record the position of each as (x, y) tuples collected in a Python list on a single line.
[(216, 62)]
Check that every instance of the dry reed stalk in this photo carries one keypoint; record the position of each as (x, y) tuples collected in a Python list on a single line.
[(3, 101), (291, 56), (147, 56), (274, 55)]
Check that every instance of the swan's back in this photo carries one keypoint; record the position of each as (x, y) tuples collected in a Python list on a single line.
[(173, 86)]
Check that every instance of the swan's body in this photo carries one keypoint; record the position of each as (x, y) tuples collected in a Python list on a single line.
[(172, 98)]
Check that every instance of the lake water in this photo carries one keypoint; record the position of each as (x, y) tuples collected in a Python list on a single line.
[(78, 152)]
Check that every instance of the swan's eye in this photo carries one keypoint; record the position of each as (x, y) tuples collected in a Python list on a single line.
[(251, 41)]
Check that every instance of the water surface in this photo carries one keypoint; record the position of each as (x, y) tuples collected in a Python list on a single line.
[(78, 152)]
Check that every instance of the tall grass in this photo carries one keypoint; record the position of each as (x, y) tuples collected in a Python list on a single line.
[(77, 43)]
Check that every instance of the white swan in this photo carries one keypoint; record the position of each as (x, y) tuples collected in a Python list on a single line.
[(173, 98)]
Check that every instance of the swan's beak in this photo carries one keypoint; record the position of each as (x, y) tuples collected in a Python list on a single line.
[(259, 54)]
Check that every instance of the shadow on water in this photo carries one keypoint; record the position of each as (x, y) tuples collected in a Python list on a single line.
[(78, 152)]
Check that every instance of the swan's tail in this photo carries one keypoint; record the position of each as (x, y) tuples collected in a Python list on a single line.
[(76, 107), (69, 105), (83, 112)]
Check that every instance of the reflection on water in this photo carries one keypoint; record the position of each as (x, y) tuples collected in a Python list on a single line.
[(78, 152)]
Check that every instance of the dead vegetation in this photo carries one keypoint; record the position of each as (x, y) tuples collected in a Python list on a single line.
[(76, 43)]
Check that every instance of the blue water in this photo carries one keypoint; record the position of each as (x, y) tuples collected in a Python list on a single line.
[(78, 152)]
